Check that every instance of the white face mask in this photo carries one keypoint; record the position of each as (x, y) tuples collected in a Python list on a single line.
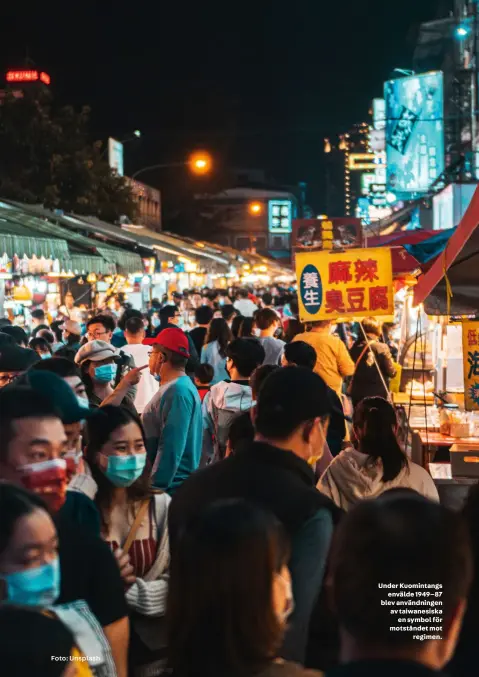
[(257, 332)]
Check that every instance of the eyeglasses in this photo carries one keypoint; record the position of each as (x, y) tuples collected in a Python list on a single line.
[(96, 335)]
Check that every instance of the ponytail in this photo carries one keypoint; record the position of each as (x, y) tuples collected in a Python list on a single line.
[(376, 419)]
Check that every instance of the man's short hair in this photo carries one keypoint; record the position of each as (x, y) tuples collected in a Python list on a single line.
[(243, 293), (288, 398), (204, 373), (177, 361), (246, 354), (38, 314), (60, 366), (267, 299), (134, 326), (105, 320), (265, 318), (204, 315), (300, 354), (127, 315), (167, 312), (19, 402), (228, 311), (399, 539)]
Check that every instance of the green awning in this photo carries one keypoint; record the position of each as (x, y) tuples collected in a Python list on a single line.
[(82, 264), (21, 245), (126, 262)]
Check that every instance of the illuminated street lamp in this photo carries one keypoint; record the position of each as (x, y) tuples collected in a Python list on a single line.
[(255, 208), (200, 162)]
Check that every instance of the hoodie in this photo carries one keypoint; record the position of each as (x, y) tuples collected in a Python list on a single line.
[(221, 405), (353, 476)]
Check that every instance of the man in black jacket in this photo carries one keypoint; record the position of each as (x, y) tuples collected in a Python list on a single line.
[(275, 471), (401, 567)]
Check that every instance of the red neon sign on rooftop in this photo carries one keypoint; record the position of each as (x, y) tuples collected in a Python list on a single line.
[(28, 76)]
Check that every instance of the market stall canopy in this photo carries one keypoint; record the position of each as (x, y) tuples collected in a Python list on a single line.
[(173, 244), (427, 250), (103, 259), (456, 271)]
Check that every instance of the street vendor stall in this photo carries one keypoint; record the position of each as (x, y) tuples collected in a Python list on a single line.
[(449, 294)]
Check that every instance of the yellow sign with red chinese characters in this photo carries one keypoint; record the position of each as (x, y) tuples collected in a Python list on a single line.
[(346, 285), (470, 352)]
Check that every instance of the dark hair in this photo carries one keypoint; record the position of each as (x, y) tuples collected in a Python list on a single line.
[(236, 325), (204, 373), (15, 503), (19, 402), (203, 315), (241, 431), (6, 340), (67, 352), (265, 318), (300, 354), (38, 329), (375, 418), (220, 332), (293, 328), (134, 326), (321, 323), (47, 636), (246, 354), (40, 344), (58, 365), (47, 335), (129, 314), (288, 398), (55, 327), (5, 322), (243, 293), (396, 539), (107, 321), (228, 311), (18, 334), (175, 359), (267, 299), (38, 314), (259, 376), (371, 326), (99, 430), (167, 312), (246, 327), (234, 548)]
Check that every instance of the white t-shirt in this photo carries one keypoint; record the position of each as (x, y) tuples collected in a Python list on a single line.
[(245, 307), (148, 386)]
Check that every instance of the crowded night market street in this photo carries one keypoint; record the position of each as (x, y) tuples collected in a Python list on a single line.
[(239, 340)]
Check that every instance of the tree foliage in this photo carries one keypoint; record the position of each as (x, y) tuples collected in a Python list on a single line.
[(46, 157)]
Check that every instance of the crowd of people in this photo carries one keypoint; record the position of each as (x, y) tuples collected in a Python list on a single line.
[(219, 496)]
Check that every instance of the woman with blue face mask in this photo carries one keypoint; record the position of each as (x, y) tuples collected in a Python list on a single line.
[(134, 524), (29, 564), (30, 577)]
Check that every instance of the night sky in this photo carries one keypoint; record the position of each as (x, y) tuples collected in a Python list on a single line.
[(259, 83)]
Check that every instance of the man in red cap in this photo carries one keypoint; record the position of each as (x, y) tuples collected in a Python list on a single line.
[(173, 419)]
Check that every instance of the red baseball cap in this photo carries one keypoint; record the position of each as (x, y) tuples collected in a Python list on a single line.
[(172, 339)]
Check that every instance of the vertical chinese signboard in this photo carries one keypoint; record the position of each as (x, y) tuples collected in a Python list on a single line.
[(470, 351), (344, 285)]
